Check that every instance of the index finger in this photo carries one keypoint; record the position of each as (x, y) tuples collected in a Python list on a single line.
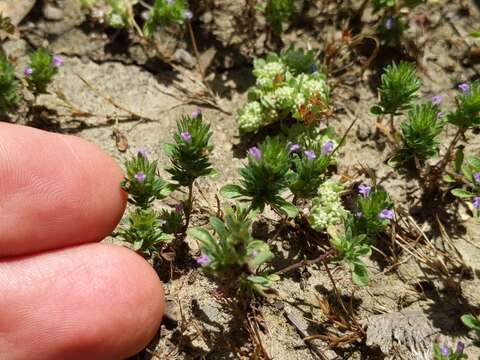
[(55, 191)]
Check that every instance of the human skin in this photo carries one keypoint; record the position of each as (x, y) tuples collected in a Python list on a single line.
[(63, 295)]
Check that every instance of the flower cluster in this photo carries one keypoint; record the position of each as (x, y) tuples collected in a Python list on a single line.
[(233, 256), (288, 86), (41, 70), (327, 208), (443, 352)]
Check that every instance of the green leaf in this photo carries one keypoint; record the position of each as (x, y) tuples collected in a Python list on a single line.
[(201, 234), (463, 194), (474, 162), (258, 280), (360, 274), (475, 34), (471, 321), (168, 149), (448, 179), (459, 156), (262, 253), (214, 174), (287, 208), (231, 191), (376, 110), (218, 226)]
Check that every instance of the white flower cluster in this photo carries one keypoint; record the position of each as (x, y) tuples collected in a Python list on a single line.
[(283, 91), (327, 208)]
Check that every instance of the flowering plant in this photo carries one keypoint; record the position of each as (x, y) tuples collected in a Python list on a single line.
[(326, 208), (9, 87), (445, 353), (471, 174), (41, 70), (233, 256), (166, 13), (288, 86)]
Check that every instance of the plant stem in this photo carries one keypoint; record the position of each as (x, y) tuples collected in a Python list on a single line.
[(392, 124), (188, 208), (324, 257), (443, 164), (195, 49)]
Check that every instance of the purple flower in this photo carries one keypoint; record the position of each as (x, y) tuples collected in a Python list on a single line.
[(464, 87), (460, 347), (203, 260), (358, 214), (310, 155), (188, 15), (476, 176), (389, 24), (142, 152), (440, 114), (327, 147), (476, 202), (364, 190), (437, 99), (140, 176), (57, 61), (179, 208), (197, 112), (292, 147), (255, 152), (386, 214), (186, 136), (444, 350), (254, 254), (27, 71)]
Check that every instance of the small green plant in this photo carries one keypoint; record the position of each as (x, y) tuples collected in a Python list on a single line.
[(9, 87), (471, 175), (326, 208), (233, 256), (41, 70), (278, 12), (166, 13), (350, 248), (473, 323), (445, 353), (419, 133), (264, 178), (373, 212), (288, 87)]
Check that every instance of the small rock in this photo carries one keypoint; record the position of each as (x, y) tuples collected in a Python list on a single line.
[(184, 57), (363, 132), (52, 12)]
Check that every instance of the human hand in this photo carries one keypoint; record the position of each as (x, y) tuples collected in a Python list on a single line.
[(62, 296)]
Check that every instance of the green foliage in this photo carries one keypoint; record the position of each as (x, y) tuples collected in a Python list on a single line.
[(278, 12), (142, 183), (164, 13), (233, 256), (189, 154), (120, 13), (171, 221), (367, 220), (471, 174), (326, 209), (350, 248), (473, 323), (382, 4), (143, 231), (9, 91), (467, 114), (419, 133), (264, 177), (446, 353), (391, 29), (398, 89), (42, 71)]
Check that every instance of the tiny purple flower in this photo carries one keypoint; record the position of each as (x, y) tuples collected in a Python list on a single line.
[(27, 71), (386, 214), (186, 136), (444, 350), (389, 24), (476, 202), (255, 152), (358, 214), (460, 347), (310, 155), (327, 147), (142, 152), (476, 176), (188, 15), (293, 147), (254, 254), (140, 176), (203, 260), (197, 112), (179, 208), (464, 87), (57, 61), (437, 99), (364, 190), (440, 115)]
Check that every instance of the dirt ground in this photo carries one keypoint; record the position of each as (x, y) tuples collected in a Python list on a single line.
[(127, 93)]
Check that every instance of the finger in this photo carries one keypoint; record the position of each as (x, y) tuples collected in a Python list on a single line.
[(92, 301), (55, 191)]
